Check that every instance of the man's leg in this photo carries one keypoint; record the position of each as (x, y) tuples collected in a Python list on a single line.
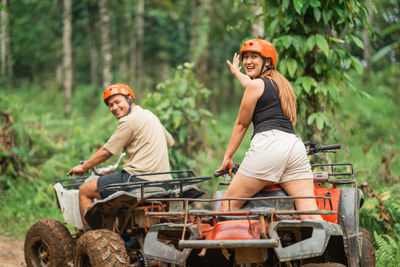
[(87, 192), (302, 188), (242, 186)]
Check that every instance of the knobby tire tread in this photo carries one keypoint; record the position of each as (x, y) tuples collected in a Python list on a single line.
[(101, 247), (54, 238)]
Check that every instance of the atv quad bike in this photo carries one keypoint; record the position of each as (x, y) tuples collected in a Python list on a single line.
[(266, 231), (117, 224), (156, 224)]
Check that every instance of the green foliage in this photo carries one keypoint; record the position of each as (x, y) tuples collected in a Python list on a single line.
[(386, 25), (25, 202), (370, 127), (48, 145), (33, 54), (179, 103), (310, 37), (388, 241), (388, 249), (368, 130)]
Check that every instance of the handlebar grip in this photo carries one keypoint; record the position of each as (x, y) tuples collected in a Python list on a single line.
[(220, 173), (235, 168), (329, 147)]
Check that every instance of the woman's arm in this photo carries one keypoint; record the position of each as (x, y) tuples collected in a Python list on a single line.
[(251, 95), (235, 69)]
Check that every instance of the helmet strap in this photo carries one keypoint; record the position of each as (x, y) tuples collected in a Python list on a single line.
[(269, 67), (130, 102)]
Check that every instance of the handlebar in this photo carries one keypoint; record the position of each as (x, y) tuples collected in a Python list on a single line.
[(220, 173), (329, 147), (109, 168), (315, 147)]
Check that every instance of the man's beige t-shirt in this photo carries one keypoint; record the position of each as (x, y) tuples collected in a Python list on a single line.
[(145, 142)]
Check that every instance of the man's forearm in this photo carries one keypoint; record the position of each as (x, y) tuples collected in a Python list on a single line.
[(99, 157)]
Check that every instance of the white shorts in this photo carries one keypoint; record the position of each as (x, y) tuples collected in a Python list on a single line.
[(276, 156)]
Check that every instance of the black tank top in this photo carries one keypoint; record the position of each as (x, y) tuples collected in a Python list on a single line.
[(268, 114)]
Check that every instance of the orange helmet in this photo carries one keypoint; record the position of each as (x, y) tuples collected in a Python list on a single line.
[(117, 89), (263, 47)]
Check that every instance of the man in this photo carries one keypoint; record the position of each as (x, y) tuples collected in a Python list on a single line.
[(141, 135)]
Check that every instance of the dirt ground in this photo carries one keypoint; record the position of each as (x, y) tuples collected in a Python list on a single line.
[(11, 252)]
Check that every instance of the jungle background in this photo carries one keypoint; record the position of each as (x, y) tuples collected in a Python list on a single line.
[(56, 58)]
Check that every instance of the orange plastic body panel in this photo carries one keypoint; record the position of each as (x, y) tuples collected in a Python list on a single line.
[(273, 187), (236, 229), (334, 194)]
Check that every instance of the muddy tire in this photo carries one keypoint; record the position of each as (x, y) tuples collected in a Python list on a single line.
[(367, 249), (99, 248), (324, 264), (48, 243)]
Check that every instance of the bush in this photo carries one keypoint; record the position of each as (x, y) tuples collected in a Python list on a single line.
[(179, 104)]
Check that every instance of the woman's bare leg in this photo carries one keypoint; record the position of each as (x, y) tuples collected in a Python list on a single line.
[(303, 187), (242, 186)]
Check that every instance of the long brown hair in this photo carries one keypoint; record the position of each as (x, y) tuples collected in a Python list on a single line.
[(286, 94)]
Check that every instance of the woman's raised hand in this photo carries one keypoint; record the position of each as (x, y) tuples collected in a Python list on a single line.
[(234, 65)]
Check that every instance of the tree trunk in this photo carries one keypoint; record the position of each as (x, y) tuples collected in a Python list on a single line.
[(200, 36), (105, 42), (194, 40), (67, 55), (138, 49), (367, 43), (257, 27), (93, 55), (132, 58), (5, 68)]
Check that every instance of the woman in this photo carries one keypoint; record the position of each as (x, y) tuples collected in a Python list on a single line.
[(276, 154)]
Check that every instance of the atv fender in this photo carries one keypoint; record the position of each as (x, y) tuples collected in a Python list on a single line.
[(157, 250), (313, 246), (68, 201), (351, 199)]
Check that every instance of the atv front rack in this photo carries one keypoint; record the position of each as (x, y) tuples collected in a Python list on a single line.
[(71, 182), (330, 170)]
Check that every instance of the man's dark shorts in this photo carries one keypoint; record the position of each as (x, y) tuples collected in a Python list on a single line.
[(115, 178)]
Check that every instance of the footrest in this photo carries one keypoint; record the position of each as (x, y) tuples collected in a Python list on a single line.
[(259, 243)]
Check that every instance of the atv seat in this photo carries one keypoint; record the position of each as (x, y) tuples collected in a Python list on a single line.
[(272, 204), (102, 212)]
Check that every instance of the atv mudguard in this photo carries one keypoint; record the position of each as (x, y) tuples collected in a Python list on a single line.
[(351, 200), (311, 247), (156, 250)]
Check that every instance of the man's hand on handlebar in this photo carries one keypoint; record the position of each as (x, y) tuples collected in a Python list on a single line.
[(78, 170)]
